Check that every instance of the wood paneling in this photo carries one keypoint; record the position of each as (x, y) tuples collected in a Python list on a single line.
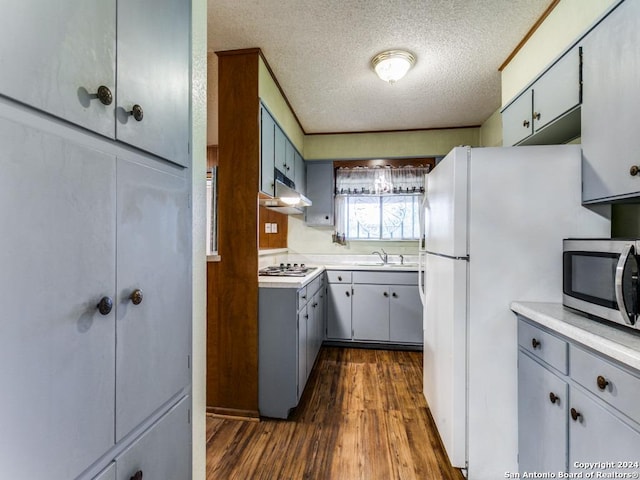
[(362, 416), (232, 356), (273, 240), (212, 156)]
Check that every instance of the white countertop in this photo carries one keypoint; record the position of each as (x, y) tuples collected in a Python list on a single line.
[(379, 267), (618, 343)]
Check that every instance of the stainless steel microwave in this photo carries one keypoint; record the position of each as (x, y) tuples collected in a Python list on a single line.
[(600, 278)]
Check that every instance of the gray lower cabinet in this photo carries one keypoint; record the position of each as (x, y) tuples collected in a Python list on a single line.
[(542, 418), (163, 452), (405, 314), (153, 261), (290, 331), (339, 291), (81, 46), (374, 306), (95, 289), (371, 312), (320, 190), (611, 75), (587, 415), (58, 257)]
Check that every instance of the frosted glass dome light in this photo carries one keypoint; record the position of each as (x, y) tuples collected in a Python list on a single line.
[(392, 65)]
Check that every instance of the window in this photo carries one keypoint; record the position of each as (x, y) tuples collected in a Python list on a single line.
[(379, 203)]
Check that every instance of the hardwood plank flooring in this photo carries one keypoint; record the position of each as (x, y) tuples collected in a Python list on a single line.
[(362, 417)]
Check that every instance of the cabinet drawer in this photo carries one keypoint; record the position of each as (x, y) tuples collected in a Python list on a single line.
[(315, 285), (303, 296), (386, 278), (543, 345), (338, 276), (607, 381)]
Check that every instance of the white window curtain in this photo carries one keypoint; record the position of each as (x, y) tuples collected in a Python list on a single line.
[(378, 203)]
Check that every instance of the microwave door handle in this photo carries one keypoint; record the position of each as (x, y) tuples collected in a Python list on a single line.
[(622, 261)]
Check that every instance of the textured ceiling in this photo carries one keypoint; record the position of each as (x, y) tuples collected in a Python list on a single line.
[(320, 52)]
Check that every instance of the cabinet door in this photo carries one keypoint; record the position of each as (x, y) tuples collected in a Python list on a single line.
[(164, 451), (55, 55), (289, 160), (542, 423), (303, 320), (153, 337), (57, 251), (405, 314), (517, 122), (339, 311), (280, 147), (598, 435), (558, 90), (320, 189), (267, 139), (610, 140), (371, 312), (153, 72), (300, 177)]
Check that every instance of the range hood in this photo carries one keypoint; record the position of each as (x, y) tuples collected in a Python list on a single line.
[(287, 200)]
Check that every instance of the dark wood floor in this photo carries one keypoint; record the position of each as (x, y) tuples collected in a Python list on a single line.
[(362, 416)]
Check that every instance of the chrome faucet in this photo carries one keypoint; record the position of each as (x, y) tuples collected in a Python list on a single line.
[(383, 256)]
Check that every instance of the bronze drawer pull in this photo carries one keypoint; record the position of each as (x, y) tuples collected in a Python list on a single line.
[(535, 343), (553, 398), (602, 382), (575, 414)]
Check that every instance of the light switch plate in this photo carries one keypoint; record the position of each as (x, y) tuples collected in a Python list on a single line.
[(274, 228), (267, 228)]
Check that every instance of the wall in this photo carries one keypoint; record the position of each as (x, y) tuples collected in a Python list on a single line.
[(272, 97), (491, 131), (568, 20), (199, 82), (423, 143)]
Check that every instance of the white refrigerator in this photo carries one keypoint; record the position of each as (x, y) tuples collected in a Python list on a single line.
[(494, 224)]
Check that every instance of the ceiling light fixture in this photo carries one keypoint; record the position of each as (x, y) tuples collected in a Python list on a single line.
[(392, 65)]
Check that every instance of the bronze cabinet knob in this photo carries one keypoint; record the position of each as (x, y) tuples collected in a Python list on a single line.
[(104, 95), (105, 305), (536, 115), (386, 294), (535, 343), (526, 124), (553, 398), (634, 170), (136, 296), (137, 475), (602, 382), (339, 278), (137, 112), (347, 294), (394, 295), (575, 414)]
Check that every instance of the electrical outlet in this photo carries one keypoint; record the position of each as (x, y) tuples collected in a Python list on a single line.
[(267, 228), (274, 228)]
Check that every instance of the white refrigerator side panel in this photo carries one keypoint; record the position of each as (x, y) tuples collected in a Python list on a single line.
[(445, 360), (447, 202), (523, 202)]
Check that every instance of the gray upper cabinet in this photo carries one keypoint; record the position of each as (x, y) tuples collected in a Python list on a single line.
[(320, 189), (153, 343), (77, 50), (300, 176), (610, 140), (267, 152), (280, 147), (516, 119), (153, 74), (59, 69), (57, 350), (547, 111)]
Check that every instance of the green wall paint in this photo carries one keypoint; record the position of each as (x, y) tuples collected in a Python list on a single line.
[(388, 144)]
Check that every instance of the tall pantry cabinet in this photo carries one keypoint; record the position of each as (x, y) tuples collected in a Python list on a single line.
[(95, 336)]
